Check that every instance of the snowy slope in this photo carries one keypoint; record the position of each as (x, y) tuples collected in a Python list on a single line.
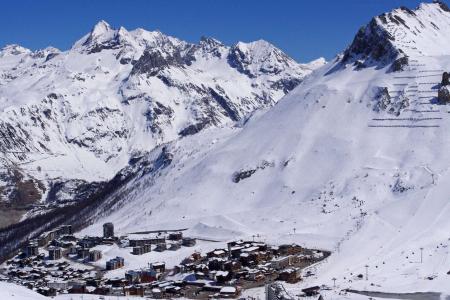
[(355, 160), (12, 291), (81, 114)]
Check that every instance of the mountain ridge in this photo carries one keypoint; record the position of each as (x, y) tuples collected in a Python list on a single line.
[(78, 116)]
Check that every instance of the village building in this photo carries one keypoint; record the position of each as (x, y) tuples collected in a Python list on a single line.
[(291, 275), (290, 249), (311, 291), (175, 246), (108, 230), (58, 285), (281, 262), (73, 249), (54, 253), (32, 249), (228, 292), (175, 236), (64, 230), (219, 253), (139, 250), (82, 253), (95, 255), (161, 247), (115, 263), (188, 242), (147, 240), (159, 267)]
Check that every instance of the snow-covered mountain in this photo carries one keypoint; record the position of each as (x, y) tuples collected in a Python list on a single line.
[(355, 160), (71, 118)]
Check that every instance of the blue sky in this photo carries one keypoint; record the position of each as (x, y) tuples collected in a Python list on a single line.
[(303, 29)]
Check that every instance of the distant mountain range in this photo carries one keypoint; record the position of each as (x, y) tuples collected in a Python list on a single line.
[(74, 118), (354, 159)]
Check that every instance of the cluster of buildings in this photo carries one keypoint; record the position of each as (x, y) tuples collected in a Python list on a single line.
[(47, 276), (173, 241), (46, 265), (220, 273)]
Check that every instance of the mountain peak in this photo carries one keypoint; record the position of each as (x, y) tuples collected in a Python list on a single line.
[(100, 28), (13, 49), (402, 32), (205, 40)]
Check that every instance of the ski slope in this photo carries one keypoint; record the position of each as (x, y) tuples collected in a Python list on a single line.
[(333, 165)]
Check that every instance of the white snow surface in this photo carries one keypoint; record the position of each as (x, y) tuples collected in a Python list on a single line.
[(9, 291), (82, 113), (367, 184), (362, 181)]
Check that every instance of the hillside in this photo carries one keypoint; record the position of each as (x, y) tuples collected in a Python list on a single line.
[(354, 160), (70, 120)]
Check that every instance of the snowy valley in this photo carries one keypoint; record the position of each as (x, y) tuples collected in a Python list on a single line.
[(353, 160)]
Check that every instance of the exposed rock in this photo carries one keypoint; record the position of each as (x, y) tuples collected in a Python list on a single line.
[(153, 61), (371, 43), (384, 102), (445, 79), (192, 129), (400, 63), (444, 95)]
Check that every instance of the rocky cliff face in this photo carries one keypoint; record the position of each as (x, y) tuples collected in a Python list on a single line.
[(77, 116), (393, 37)]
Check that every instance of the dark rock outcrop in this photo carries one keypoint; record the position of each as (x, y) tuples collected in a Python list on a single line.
[(444, 95), (445, 79), (372, 44), (399, 64)]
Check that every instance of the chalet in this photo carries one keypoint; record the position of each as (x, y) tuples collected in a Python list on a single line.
[(46, 291), (148, 275), (290, 249), (311, 291), (232, 266), (161, 247), (159, 267), (134, 291), (77, 287), (235, 250), (157, 293), (175, 246), (255, 275), (201, 268), (212, 288), (133, 276), (291, 275), (175, 236), (281, 262), (228, 292), (217, 253), (188, 242), (223, 276), (216, 264), (117, 282), (188, 267), (58, 285)]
